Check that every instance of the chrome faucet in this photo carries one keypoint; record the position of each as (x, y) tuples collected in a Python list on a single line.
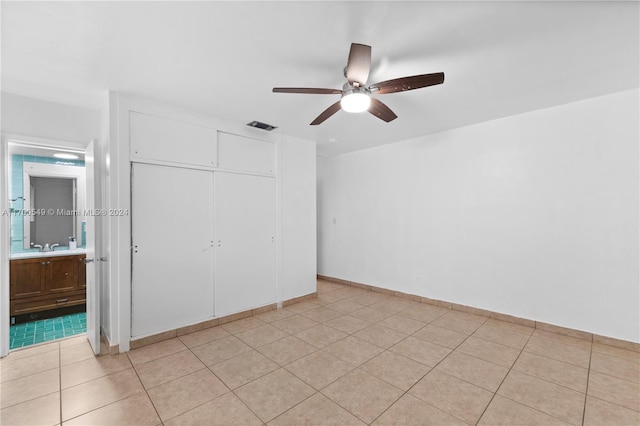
[(46, 247)]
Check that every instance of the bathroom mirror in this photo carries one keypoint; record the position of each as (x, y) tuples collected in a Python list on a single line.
[(53, 205), (57, 195)]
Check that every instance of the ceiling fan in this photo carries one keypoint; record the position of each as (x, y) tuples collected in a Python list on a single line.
[(356, 96)]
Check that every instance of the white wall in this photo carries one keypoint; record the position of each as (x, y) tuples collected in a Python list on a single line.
[(297, 173), (48, 120), (534, 215)]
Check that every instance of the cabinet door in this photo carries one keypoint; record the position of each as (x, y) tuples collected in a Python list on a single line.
[(240, 153), (27, 278), (244, 225), (62, 274), (172, 236), (158, 138), (82, 273)]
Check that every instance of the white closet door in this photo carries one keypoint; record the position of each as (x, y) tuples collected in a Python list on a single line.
[(172, 236), (244, 226)]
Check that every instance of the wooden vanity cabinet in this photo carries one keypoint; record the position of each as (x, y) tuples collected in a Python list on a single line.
[(27, 278), (61, 275), (44, 283), (82, 272)]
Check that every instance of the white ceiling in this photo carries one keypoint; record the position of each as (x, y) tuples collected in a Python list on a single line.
[(223, 58)]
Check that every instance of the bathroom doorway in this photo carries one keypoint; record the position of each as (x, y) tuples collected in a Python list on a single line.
[(48, 259)]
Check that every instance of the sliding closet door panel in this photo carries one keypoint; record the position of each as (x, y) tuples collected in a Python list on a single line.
[(172, 236), (244, 226)]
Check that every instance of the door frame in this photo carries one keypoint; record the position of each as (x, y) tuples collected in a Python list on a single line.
[(5, 248), (5, 234)]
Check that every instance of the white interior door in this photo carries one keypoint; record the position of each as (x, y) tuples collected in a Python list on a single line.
[(92, 259), (244, 225), (172, 237)]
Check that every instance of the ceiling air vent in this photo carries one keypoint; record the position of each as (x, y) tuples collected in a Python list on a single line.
[(260, 125)]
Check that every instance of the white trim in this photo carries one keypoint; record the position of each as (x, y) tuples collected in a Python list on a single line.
[(38, 142), (244, 172), (5, 237), (195, 167), (58, 171), (278, 169), (255, 138), (140, 160), (121, 226)]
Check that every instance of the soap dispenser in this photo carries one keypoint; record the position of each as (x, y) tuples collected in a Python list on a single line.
[(72, 243)]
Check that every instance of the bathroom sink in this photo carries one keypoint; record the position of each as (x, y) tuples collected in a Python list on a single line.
[(60, 251)]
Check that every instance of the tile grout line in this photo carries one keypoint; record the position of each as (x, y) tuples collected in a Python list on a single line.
[(586, 391), (60, 382), (156, 359), (145, 391), (613, 377), (503, 379), (222, 381), (387, 350), (204, 403), (290, 408), (233, 390), (430, 369), (510, 368), (98, 378), (548, 381), (532, 376), (317, 349)]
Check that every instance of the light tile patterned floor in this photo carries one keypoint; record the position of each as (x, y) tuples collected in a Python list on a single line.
[(36, 332), (349, 357)]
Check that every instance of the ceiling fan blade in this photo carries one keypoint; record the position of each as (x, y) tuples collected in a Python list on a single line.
[(358, 64), (381, 111), (326, 114), (307, 90), (407, 83)]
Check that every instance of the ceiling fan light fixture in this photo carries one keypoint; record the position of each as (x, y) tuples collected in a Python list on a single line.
[(355, 101)]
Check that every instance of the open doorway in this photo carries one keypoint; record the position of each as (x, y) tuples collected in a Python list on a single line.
[(47, 271)]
